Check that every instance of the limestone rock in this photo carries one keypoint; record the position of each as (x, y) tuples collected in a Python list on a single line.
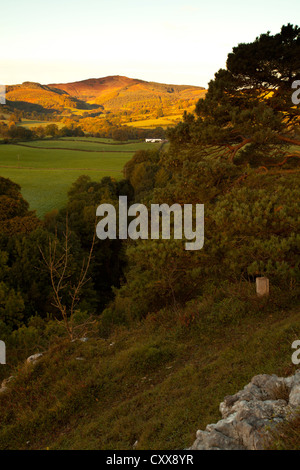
[(5, 382), (34, 358), (248, 416)]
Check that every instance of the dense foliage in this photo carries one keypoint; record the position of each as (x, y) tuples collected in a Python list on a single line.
[(249, 105)]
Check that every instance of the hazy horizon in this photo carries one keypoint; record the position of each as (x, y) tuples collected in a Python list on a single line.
[(99, 78)]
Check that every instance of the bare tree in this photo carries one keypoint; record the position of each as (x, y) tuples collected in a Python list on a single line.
[(66, 290)]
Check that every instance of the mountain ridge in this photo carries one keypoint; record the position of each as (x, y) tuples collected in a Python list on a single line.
[(114, 92)]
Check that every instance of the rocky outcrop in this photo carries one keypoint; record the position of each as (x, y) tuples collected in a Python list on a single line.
[(30, 360), (249, 415), (34, 358), (5, 382)]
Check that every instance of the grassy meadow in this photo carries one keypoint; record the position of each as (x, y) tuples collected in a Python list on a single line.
[(29, 123), (45, 169), (163, 122)]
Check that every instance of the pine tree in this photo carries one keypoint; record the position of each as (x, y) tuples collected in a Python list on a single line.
[(248, 109)]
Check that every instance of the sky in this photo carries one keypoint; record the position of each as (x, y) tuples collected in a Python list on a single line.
[(167, 41)]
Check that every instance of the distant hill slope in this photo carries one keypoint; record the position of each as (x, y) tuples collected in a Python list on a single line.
[(136, 98), (45, 97), (116, 91), (131, 98)]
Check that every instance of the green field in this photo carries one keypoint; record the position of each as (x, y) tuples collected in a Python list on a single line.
[(46, 169), (29, 123)]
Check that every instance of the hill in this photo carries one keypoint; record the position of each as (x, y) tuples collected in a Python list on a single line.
[(121, 92), (42, 97), (124, 98)]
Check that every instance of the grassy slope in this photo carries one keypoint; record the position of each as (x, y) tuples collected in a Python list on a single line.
[(163, 122), (28, 123), (90, 144), (157, 382)]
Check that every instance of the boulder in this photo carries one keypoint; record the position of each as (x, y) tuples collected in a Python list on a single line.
[(34, 358), (5, 382), (250, 414)]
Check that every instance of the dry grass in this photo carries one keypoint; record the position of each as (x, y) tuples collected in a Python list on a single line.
[(280, 392), (286, 436), (156, 383)]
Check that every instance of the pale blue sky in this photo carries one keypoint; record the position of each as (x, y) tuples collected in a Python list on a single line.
[(179, 42)]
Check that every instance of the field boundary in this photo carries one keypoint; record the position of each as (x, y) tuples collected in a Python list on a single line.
[(75, 150), (101, 142), (58, 169)]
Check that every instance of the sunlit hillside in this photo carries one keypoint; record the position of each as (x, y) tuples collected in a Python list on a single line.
[(123, 99), (134, 98), (43, 96)]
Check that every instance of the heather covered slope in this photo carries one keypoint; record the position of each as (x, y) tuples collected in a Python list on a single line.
[(117, 91)]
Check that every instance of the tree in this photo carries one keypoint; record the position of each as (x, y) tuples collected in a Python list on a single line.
[(108, 261), (51, 130), (66, 287), (11, 306), (248, 109), (15, 216), (11, 302), (141, 169)]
